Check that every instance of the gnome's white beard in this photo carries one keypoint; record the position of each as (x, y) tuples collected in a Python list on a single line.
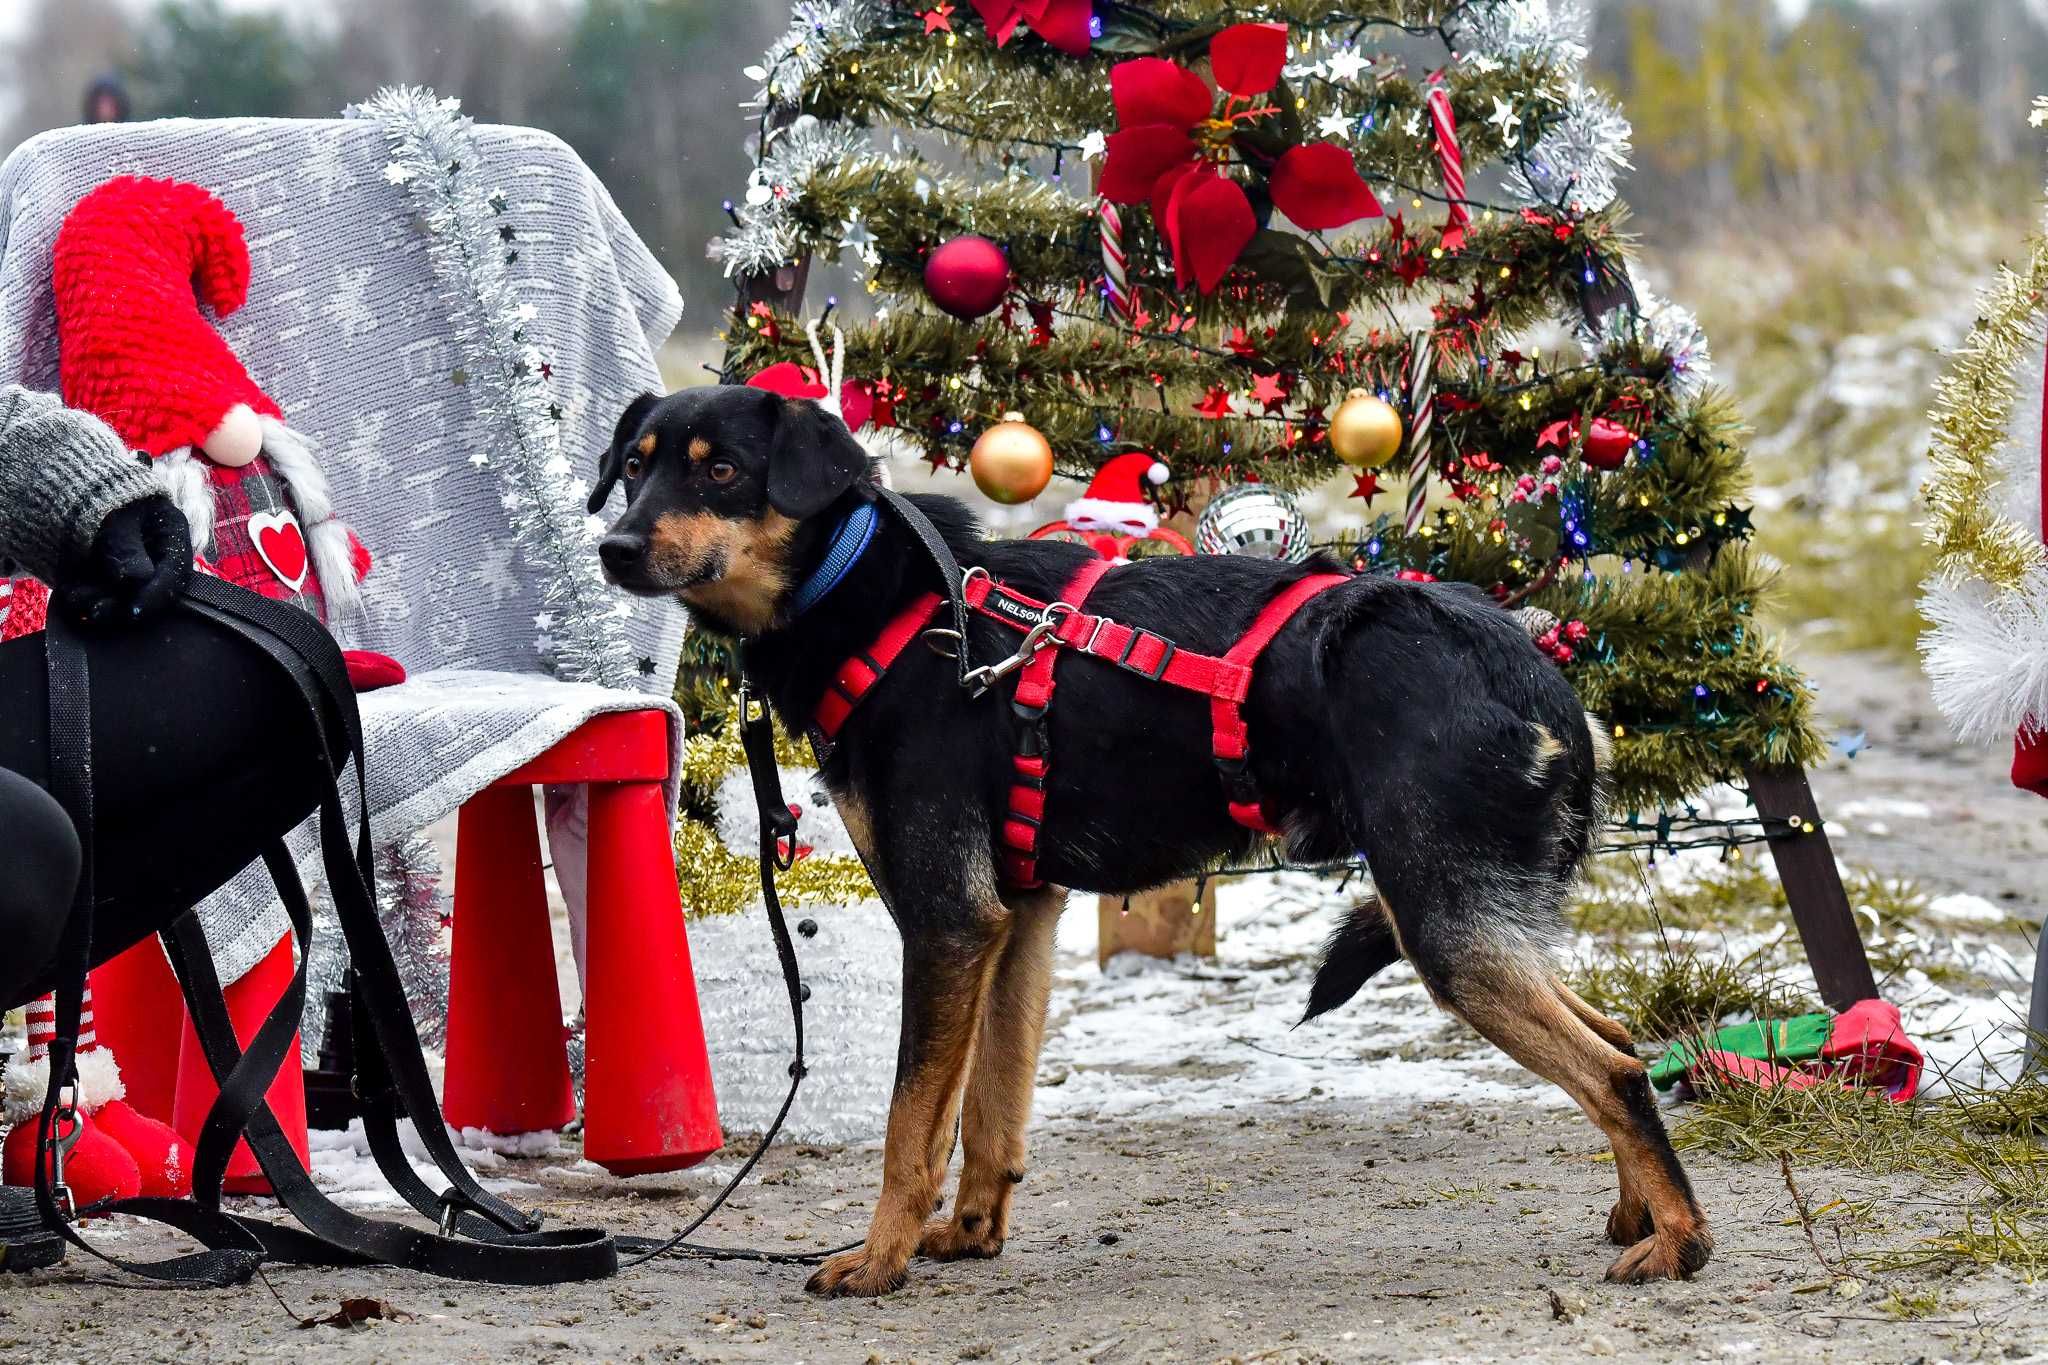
[(291, 455)]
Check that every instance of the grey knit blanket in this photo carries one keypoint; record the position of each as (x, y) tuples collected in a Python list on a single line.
[(347, 329)]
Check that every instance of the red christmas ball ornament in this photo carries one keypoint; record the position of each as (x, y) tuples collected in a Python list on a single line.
[(1608, 443), (967, 277)]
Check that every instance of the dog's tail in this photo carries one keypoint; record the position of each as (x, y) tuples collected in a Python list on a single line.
[(1360, 948)]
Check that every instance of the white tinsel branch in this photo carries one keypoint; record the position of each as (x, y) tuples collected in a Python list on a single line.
[(767, 235), (412, 911), (435, 157), (817, 32), (1987, 656), (1552, 32), (1577, 160), (1660, 326)]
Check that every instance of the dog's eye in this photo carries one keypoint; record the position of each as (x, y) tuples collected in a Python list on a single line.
[(635, 466), (722, 471)]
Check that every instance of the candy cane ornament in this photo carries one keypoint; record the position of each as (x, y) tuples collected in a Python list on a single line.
[(1421, 420), (1445, 127), (1115, 275)]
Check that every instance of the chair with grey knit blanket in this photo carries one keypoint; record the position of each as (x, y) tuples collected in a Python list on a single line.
[(371, 345)]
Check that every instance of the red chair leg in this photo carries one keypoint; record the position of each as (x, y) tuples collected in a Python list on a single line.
[(249, 1001), (647, 1098), (140, 1011), (507, 1069)]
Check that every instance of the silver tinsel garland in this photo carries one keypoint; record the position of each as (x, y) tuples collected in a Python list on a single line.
[(434, 155), (1579, 156), (1663, 327), (1577, 160), (767, 235), (817, 32), (413, 911), (1552, 32)]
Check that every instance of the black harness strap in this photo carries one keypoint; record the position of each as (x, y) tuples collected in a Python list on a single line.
[(941, 556), (503, 1245)]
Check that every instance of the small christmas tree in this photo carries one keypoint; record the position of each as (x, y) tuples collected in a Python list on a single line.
[(1280, 243)]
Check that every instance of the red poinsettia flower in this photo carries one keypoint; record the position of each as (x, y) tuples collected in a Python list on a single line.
[(1063, 23), (1171, 141)]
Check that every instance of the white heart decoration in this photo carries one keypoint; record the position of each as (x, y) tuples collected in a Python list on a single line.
[(282, 545)]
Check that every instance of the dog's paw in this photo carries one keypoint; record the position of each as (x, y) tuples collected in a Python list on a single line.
[(1628, 1222), (971, 1237), (856, 1274), (1661, 1257)]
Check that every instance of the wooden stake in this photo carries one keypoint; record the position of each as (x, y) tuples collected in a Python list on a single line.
[(1162, 923)]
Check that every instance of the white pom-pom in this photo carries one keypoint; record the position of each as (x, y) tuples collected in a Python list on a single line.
[(1158, 473)]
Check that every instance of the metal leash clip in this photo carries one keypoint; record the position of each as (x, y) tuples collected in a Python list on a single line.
[(65, 1128), (979, 680), (450, 1210)]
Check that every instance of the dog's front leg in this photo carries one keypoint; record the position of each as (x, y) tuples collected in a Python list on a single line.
[(945, 976), (1000, 1079)]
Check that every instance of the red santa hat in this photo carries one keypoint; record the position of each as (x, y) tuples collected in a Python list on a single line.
[(136, 352), (1116, 500)]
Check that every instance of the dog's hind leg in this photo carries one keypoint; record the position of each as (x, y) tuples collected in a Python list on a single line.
[(1628, 1222), (948, 960), (1506, 990), (997, 1109)]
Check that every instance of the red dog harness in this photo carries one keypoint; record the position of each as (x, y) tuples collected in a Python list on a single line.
[(1051, 626)]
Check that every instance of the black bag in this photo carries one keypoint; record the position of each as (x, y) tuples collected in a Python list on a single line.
[(476, 1235)]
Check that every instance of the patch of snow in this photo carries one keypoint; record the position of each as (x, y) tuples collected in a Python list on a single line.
[(514, 1144), (1884, 806), (1152, 1038), (346, 1172), (1962, 906)]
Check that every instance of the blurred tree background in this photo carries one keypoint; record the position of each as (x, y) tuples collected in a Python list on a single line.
[(1826, 181)]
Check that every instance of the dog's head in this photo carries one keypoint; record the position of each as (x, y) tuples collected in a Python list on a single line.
[(719, 483)]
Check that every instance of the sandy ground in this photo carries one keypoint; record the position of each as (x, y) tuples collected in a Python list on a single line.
[(1292, 1236), (1334, 1226)]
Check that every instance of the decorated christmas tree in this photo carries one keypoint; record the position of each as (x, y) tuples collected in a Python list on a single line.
[(1372, 246)]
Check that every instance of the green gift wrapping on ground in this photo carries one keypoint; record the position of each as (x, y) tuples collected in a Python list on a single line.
[(1798, 1039)]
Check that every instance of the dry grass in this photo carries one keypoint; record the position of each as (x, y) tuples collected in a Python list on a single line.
[(1661, 963), (1677, 992), (1984, 1150)]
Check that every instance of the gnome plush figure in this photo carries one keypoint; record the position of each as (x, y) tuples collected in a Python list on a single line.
[(137, 353), (119, 1153)]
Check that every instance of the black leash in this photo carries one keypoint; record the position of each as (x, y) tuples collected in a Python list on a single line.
[(757, 739), (941, 555)]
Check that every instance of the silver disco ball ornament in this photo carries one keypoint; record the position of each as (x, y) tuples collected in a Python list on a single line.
[(1252, 519)]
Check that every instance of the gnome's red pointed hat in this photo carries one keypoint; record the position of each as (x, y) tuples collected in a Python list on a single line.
[(136, 350), (1116, 499), (133, 262)]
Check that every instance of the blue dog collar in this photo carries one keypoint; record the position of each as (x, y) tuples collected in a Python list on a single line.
[(848, 544)]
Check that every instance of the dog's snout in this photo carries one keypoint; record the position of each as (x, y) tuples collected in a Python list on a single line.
[(621, 553)]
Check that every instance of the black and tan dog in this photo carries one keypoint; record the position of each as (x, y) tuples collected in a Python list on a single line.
[(1411, 722)]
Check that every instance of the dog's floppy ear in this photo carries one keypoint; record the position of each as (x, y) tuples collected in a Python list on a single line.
[(614, 462), (813, 460)]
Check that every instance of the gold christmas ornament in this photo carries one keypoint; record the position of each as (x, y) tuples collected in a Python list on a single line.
[(1011, 462), (1365, 430)]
